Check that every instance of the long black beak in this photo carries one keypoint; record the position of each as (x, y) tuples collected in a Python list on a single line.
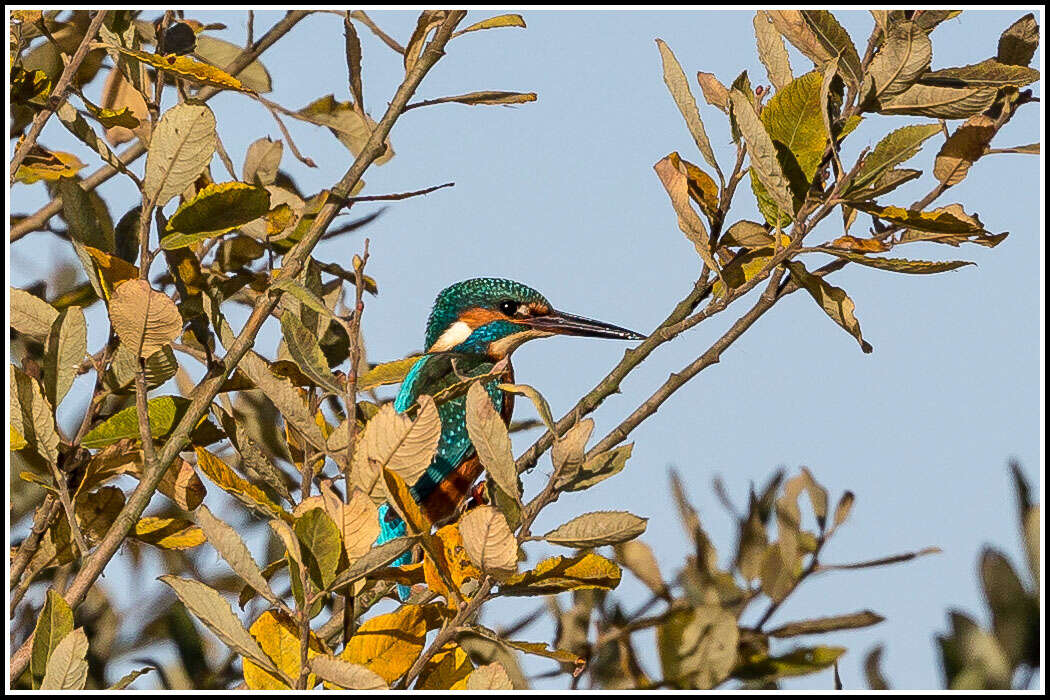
[(568, 324)]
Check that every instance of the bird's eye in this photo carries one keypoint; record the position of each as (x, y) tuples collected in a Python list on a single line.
[(508, 307)]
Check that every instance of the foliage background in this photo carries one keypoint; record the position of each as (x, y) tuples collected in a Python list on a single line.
[(560, 194)]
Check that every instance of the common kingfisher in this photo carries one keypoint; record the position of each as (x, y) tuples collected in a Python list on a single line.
[(474, 324)]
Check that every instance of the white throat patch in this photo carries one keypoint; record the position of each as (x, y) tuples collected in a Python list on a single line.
[(457, 333)]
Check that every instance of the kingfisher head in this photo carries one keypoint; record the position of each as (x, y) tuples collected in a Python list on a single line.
[(494, 316)]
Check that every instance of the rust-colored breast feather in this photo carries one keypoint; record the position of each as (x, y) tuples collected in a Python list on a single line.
[(442, 502)]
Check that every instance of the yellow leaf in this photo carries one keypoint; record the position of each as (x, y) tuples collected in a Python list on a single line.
[(564, 574), (863, 245), (386, 373), (168, 533), (278, 635), (494, 22), (406, 505), (42, 164), (213, 211), (186, 67), (447, 670), (452, 559), (111, 269), (389, 644), (225, 478), (17, 441)]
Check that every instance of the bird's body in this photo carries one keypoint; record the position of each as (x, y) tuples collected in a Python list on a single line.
[(472, 330)]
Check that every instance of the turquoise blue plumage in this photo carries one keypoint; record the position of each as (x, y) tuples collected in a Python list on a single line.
[(474, 325)]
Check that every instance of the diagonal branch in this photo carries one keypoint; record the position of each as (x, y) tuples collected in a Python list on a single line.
[(38, 219), (58, 95), (205, 392)]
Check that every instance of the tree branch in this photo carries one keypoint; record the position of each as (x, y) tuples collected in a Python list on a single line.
[(205, 392), (58, 94)]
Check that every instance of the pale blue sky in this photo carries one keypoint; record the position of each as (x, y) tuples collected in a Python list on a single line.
[(560, 194)]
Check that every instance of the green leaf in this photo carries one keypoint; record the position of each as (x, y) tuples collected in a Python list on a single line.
[(64, 351), (222, 53), (78, 126), (1018, 43), (972, 658), (1015, 611), (864, 618), (306, 351), (894, 148), (836, 42), (792, 118), (213, 211), (245, 492), (888, 181), (939, 102), (596, 469), (160, 367), (32, 416), (377, 558), (322, 546), (211, 608), (911, 267), (542, 407), (54, 623), (834, 301), (597, 529), (800, 662), (796, 29), (386, 373), (164, 414), (67, 668), (698, 647), (987, 73), (905, 55), (765, 165), (181, 147), (678, 85), (951, 219), (228, 543), (129, 678)]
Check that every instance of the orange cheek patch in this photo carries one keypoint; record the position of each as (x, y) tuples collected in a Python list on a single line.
[(476, 318)]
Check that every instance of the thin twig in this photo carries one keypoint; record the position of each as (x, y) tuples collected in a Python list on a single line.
[(353, 332), (400, 195), (58, 94), (40, 218), (364, 19), (208, 388)]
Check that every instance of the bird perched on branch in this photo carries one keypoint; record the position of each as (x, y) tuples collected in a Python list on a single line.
[(473, 328)]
